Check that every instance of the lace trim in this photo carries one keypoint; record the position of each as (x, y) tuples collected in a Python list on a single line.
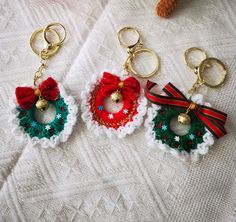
[(101, 130), (202, 149), (44, 142)]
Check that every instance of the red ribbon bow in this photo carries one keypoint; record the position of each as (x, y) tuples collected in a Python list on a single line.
[(26, 96), (129, 87), (213, 119)]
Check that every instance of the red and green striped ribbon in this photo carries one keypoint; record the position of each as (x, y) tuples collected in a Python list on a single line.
[(213, 119)]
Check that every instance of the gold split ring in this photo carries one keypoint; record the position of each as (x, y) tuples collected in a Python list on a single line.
[(46, 52), (204, 64), (133, 50), (48, 27), (186, 57), (125, 29), (199, 70), (153, 55)]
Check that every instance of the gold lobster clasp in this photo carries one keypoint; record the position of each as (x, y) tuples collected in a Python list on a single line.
[(200, 70), (133, 49)]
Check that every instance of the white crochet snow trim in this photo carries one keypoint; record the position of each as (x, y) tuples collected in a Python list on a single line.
[(45, 142), (101, 130), (202, 149)]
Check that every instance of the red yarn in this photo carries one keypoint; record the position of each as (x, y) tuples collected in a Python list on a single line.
[(130, 91), (130, 87), (26, 96), (49, 89)]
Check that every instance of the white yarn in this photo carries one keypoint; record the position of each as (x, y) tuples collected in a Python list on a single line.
[(202, 149), (45, 142), (101, 130)]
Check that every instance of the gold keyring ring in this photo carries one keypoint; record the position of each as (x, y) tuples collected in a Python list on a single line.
[(50, 51), (153, 54), (125, 29), (48, 27), (204, 64), (186, 55)]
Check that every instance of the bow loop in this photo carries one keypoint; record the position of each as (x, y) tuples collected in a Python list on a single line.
[(49, 89), (130, 87), (27, 96), (213, 119), (108, 79)]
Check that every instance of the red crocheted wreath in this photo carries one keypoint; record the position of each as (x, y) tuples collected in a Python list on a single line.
[(130, 91)]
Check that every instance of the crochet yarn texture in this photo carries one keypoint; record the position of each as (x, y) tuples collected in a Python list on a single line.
[(165, 8)]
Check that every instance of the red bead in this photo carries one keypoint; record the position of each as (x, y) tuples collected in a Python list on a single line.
[(198, 133), (189, 143), (52, 131), (176, 145)]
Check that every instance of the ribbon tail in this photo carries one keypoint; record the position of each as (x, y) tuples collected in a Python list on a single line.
[(216, 128), (164, 100), (214, 114), (150, 85), (172, 91)]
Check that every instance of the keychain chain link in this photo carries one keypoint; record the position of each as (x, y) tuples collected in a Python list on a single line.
[(39, 72), (195, 86)]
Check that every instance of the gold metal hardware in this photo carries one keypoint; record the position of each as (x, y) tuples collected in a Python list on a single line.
[(133, 50), (200, 69), (184, 118), (48, 27), (47, 51)]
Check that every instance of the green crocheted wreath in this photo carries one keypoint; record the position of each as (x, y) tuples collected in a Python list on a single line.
[(41, 130), (163, 132)]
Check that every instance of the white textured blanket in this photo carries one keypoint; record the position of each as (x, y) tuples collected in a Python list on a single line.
[(88, 179)]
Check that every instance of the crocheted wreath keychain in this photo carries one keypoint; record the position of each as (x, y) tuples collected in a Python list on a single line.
[(205, 122), (123, 91), (42, 95)]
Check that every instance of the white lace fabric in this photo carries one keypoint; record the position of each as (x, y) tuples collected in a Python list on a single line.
[(98, 179)]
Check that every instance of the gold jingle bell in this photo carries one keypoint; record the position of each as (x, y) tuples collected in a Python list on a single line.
[(116, 96), (184, 118), (42, 104)]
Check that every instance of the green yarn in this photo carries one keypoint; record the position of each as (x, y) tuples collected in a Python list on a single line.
[(163, 132), (41, 130)]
